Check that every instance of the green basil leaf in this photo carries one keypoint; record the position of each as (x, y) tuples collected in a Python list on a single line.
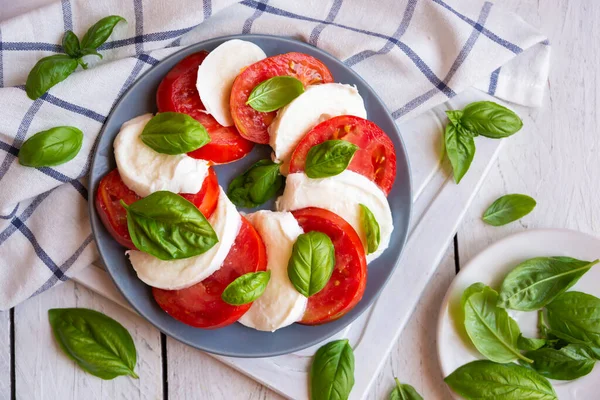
[(332, 371), (561, 339), (508, 208), (536, 282), (490, 119), (568, 363), (275, 93), (371, 227), (47, 72), (454, 116), (258, 184), (70, 43), (486, 380), (460, 148), (474, 288), (530, 344), (311, 263), (403, 391), (576, 315), (246, 288), (329, 158), (52, 147), (174, 133), (169, 227), (100, 31), (97, 343), (493, 332)]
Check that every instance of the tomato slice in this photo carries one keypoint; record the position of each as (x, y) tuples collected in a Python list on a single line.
[(253, 124), (375, 158), (349, 279), (112, 189), (201, 305), (177, 92)]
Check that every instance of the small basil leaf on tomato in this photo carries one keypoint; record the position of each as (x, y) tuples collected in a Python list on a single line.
[(70, 44), (169, 227), (275, 93), (460, 148), (246, 288), (508, 208), (52, 147), (47, 72), (174, 133), (100, 31), (490, 119), (332, 371), (329, 158), (258, 184), (371, 228), (403, 391), (312, 262), (97, 343)]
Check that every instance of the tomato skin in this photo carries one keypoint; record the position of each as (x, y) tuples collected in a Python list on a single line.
[(201, 305), (253, 124), (349, 279), (177, 93), (375, 158)]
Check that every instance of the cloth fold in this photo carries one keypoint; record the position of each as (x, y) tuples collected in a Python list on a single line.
[(415, 53)]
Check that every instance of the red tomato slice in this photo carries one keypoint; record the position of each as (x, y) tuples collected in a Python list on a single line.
[(253, 124), (177, 92), (349, 279), (112, 189), (201, 305), (375, 158)]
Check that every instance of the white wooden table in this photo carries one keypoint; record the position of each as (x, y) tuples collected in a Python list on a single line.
[(554, 159)]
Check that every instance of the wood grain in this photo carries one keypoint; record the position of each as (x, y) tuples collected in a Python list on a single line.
[(5, 389)]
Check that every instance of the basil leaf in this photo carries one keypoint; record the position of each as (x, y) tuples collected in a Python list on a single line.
[(97, 343), (169, 227), (536, 282), (493, 332), (258, 184), (52, 147), (332, 371), (329, 158), (490, 119), (371, 227), (311, 263), (577, 315), (403, 391), (486, 380), (100, 31), (570, 362), (174, 133), (562, 339), (47, 72), (275, 93), (460, 148), (530, 344), (474, 288), (246, 288), (70, 43), (508, 208)]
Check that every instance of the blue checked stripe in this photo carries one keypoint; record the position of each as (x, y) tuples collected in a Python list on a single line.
[(31, 46), (260, 9), (138, 9), (148, 59), (65, 179), (11, 214), (314, 35), (207, 9), (494, 81), (6, 233), (67, 15), (1, 61), (146, 38)]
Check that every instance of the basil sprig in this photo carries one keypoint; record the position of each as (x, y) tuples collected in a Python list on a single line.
[(258, 184), (371, 227), (329, 158), (275, 93), (312, 262), (98, 344), (169, 227), (174, 133), (332, 371), (403, 391), (570, 362), (52, 147), (246, 288), (508, 208), (51, 70)]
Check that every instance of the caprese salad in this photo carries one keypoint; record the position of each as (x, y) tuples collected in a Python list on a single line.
[(210, 266)]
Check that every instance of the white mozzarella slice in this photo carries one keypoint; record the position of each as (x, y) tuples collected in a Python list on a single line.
[(281, 304), (145, 171), (218, 71), (317, 104), (342, 195), (179, 274)]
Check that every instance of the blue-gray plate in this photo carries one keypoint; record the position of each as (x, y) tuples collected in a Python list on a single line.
[(236, 340)]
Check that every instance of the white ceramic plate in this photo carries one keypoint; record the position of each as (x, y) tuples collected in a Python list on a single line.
[(490, 267)]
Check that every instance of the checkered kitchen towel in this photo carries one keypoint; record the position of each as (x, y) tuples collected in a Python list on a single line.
[(415, 53)]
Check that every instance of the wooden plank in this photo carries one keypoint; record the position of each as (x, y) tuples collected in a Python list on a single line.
[(42, 369), (5, 389)]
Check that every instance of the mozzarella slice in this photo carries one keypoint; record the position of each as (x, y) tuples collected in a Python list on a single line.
[(342, 195), (217, 73), (179, 274), (317, 104), (145, 171), (281, 304)]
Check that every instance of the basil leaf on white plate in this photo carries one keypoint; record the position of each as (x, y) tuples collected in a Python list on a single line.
[(52, 147), (404, 391), (97, 343), (530, 344), (490, 119), (174, 133), (275, 93), (329, 158), (508, 208), (371, 227), (332, 371), (570, 362), (311, 263), (246, 288), (258, 184), (576, 315)]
